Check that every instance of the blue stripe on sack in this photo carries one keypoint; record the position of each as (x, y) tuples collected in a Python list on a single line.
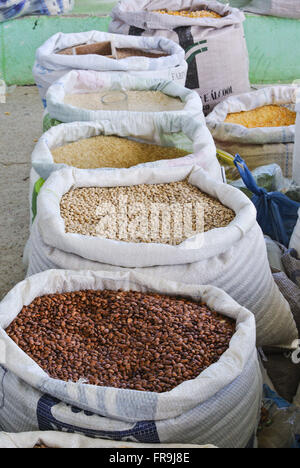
[(143, 431)]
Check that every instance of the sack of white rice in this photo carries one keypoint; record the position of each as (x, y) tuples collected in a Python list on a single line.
[(260, 126), (211, 34), (176, 223), (153, 57), (83, 95)]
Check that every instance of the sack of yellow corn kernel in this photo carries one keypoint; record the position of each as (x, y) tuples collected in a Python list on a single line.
[(211, 34), (259, 125)]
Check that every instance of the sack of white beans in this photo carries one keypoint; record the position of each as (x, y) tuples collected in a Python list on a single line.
[(259, 145), (221, 405), (215, 47), (53, 439), (233, 258), (104, 52), (78, 96)]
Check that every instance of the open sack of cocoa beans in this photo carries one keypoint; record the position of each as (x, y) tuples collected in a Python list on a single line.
[(124, 356)]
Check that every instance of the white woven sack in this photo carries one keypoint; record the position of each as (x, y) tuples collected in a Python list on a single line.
[(53, 439), (258, 146), (50, 66), (222, 405), (232, 258), (216, 49), (284, 8), (83, 81), (173, 130), (295, 239)]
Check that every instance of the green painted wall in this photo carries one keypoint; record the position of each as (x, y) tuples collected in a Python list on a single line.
[(273, 44), (23, 36), (96, 7)]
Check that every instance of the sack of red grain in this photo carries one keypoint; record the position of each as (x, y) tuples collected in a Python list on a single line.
[(211, 34), (220, 405)]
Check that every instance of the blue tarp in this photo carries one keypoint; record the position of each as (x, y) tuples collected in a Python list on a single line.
[(10, 9)]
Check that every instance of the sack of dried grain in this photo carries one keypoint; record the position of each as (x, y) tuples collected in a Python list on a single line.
[(260, 126), (54, 439), (214, 43), (105, 52), (284, 8), (232, 257), (149, 139), (222, 404), (81, 95)]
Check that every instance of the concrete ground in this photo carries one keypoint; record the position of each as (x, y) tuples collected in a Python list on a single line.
[(20, 126)]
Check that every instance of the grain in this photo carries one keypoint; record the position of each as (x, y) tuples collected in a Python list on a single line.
[(190, 14), (163, 213), (111, 151), (121, 339), (265, 116), (138, 101)]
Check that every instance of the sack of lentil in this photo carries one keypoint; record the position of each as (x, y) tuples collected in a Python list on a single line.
[(160, 140), (153, 57), (53, 439), (99, 220), (260, 126), (211, 34), (83, 95), (220, 403), (284, 8)]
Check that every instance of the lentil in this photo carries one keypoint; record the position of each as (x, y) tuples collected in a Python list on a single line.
[(191, 14), (79, 209), (112, 151), (265, 116), (123, 339), (138, 101)]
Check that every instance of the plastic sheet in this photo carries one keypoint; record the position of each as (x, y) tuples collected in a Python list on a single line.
[(277, 215)]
